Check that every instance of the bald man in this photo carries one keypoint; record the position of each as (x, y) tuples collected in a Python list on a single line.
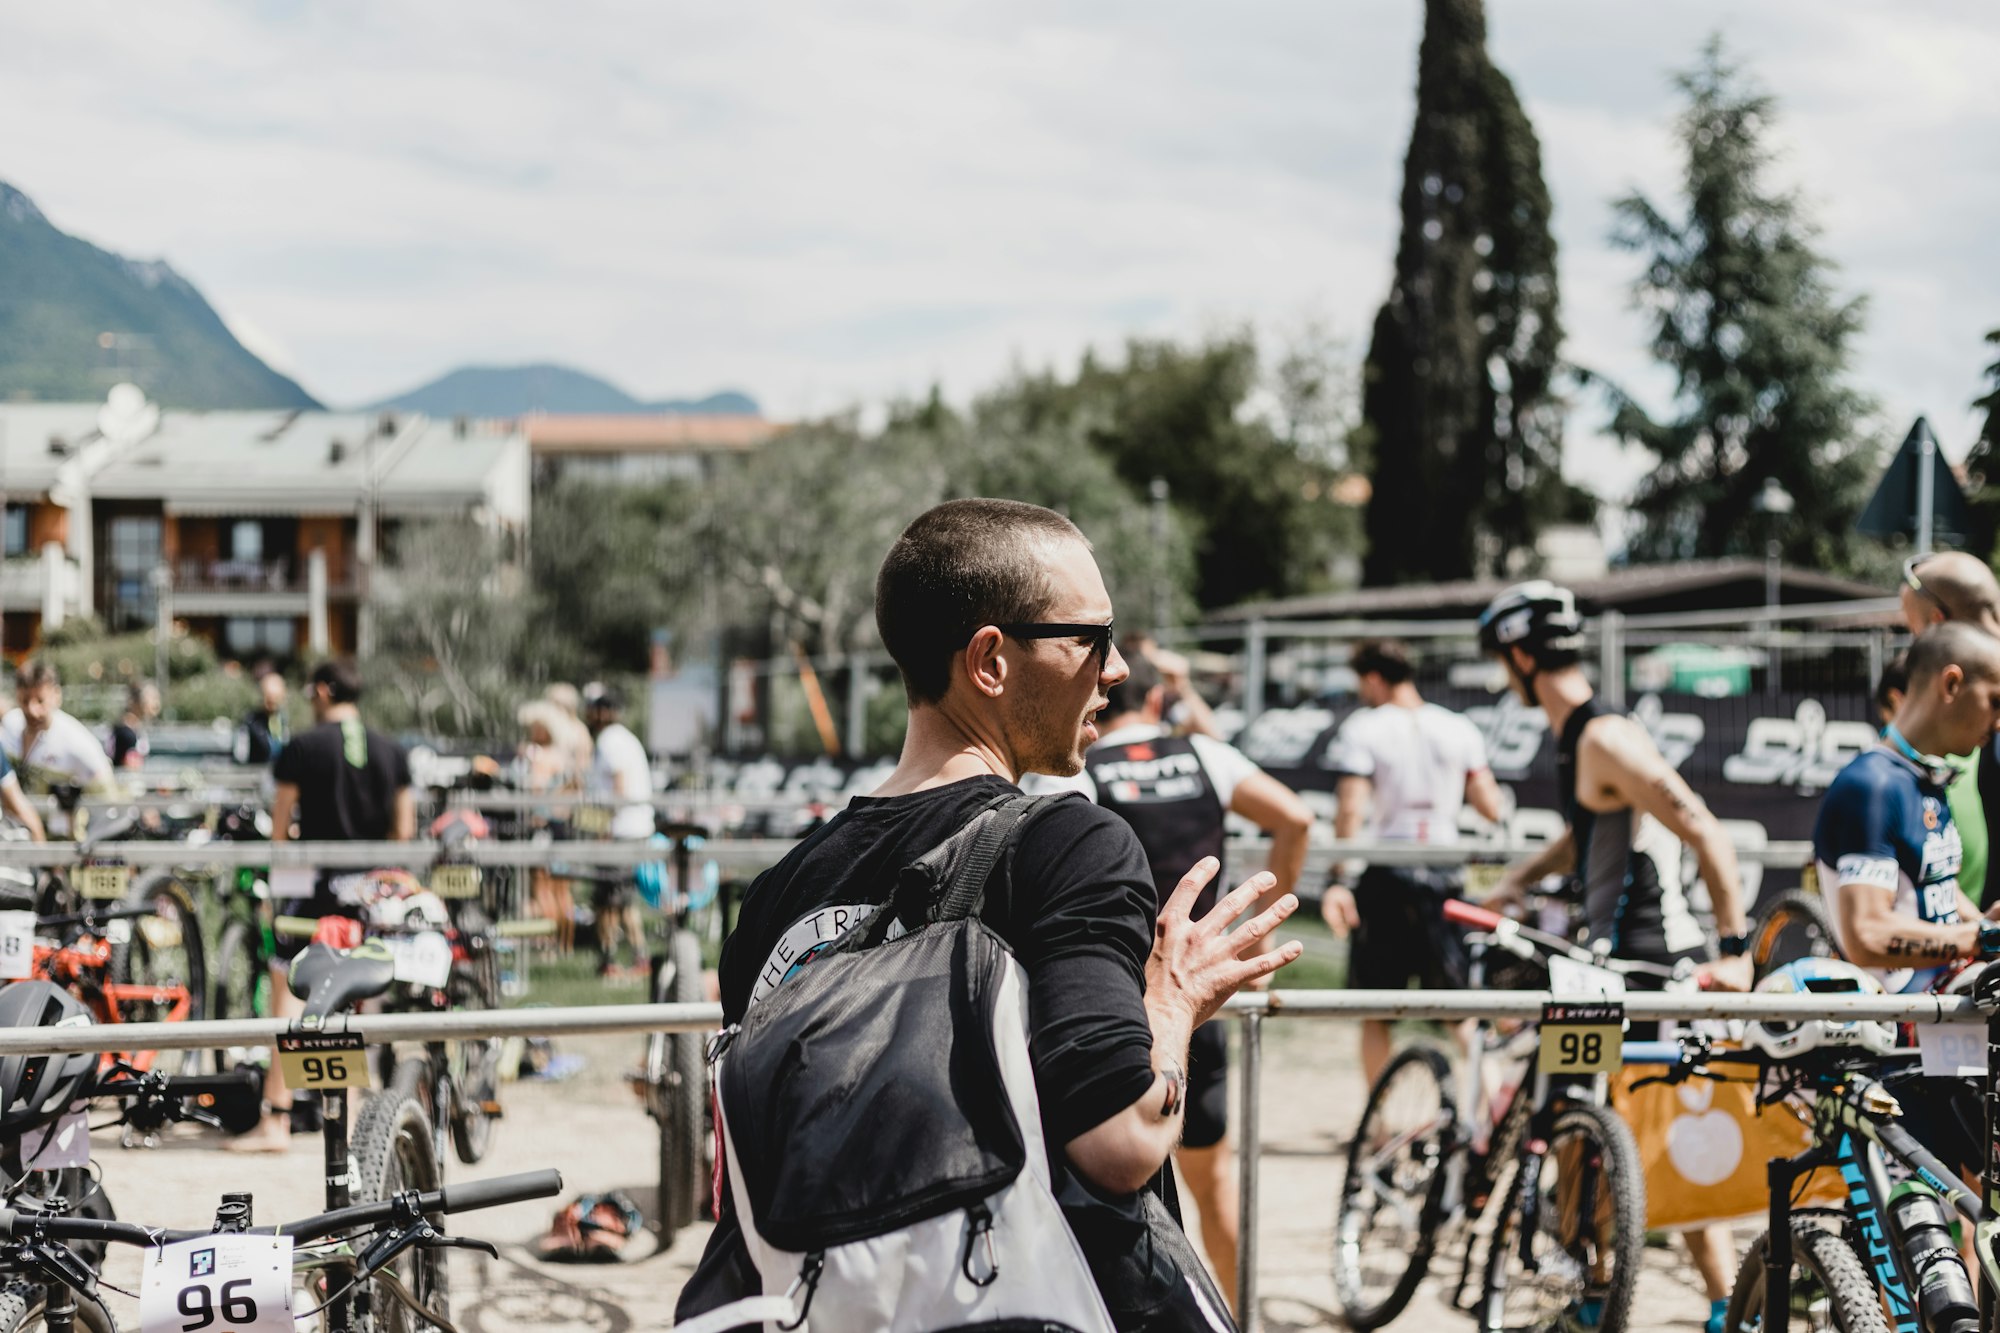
[(1951, 587)]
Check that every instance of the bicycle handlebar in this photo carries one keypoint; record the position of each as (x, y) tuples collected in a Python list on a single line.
[(15, 1225), (1504, 928)]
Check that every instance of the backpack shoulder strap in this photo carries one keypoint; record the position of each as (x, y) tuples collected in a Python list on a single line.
[(963, 893)]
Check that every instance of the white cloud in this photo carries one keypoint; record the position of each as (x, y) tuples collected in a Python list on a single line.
[(828, 205)]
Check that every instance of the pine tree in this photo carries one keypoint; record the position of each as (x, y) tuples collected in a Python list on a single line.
[(1458, 402), (1982, 465), (1745, 315)]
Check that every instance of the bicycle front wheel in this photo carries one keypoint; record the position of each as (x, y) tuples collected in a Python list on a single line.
[(1387, 1222), (1567, 1249), (1792, 926), (676, 1064), (393, 1151), (1830, 1289), (163, 950), (22, 1311)]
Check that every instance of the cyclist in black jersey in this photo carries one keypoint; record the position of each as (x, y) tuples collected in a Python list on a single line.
[(1627, 814)]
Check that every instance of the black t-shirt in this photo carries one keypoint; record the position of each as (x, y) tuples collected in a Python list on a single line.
[(125, 738), (1078, 914), (347, 777)]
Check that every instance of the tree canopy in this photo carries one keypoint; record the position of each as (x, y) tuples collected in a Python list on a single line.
[(1459, 409), (1744, 313)]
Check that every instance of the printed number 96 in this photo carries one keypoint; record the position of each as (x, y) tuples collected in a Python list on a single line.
[(199, 1305), (333, 1068), (1580, 1048)]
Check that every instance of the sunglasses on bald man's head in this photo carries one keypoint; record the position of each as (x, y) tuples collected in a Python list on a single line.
[(1099, 635), (1916, 585)]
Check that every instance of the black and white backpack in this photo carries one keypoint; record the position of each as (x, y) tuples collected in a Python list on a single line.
[(880, 1127)]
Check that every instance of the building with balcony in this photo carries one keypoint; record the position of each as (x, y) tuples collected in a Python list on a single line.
[(261, 529), (639, 447)]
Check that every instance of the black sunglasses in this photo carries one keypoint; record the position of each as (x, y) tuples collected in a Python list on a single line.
[(1099, 635), (1916, 585)]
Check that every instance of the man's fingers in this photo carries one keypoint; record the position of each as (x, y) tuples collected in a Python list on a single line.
[(1239, 899), (1264, 964), (1191, 885), (1266, 921)]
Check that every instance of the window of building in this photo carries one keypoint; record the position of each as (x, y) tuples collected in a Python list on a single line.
[(134, 549), (246, 542), (14, 530), (260, 636)]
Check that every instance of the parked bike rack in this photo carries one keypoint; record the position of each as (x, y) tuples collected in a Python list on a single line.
[(1251, 1010)]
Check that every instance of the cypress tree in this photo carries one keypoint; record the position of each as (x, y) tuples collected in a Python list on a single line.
[(1744, 314), (1982, 464), (1458, 406)]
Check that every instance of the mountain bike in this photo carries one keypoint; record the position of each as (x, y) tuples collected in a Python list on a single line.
[(674, 1079), (137, 962), (362, 1243), (1529, 1179)]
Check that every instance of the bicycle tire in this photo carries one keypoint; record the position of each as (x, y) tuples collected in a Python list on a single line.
[(21, 1310), (148, 956), (1615, 1162), (1355, 1215), (394, 1149), (683, 1128), (1791, 926), (240, 985), (475, 984), (1822, 1261)]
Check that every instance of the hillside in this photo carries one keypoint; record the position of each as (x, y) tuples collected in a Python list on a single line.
[(63, 299), (512, 391)]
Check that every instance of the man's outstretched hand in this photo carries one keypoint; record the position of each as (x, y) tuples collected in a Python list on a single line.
[(1197, 965)]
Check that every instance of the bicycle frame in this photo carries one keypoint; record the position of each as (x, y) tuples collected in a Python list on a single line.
[(83, 965)]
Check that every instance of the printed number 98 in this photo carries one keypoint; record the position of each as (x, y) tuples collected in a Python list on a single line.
[(332, 1069), (199, 1306), (1580, 1048)]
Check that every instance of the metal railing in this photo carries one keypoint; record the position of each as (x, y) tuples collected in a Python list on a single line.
[(1250, 1010)]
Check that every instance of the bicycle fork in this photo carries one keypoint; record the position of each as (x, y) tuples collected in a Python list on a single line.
[(1526, 1205)]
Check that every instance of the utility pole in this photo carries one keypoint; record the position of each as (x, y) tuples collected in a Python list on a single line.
[(1162, 592)]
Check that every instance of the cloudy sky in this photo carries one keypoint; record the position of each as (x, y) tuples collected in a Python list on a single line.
[(835, 204)]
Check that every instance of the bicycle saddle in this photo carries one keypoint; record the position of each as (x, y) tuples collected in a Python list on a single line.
[(333, 980)]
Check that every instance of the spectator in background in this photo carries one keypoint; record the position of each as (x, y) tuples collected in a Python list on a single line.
[(1184, 710), (1413, 766), (265, 728), (1890, 689), (1953, 586), (621, 776), (129, 745), (542, 765), (572, 736), (48, 747)]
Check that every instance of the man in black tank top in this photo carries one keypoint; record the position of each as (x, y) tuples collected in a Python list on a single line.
[(1628, 814), (1177, 793)]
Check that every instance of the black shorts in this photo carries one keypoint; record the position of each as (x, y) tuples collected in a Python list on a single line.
[(609, 895), (1208, 1086), (1639, 981), (1403, 936)]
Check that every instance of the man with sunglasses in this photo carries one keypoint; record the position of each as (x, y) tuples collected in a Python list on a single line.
[(999, 622), (1951, 587)]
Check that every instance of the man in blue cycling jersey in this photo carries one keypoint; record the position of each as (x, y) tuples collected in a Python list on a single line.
[(1887, 850)]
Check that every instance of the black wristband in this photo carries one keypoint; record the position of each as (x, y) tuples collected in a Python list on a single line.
[(1733, 946)]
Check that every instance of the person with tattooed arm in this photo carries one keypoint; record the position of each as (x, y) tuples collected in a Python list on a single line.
[(1887, 848), (1628, 813)]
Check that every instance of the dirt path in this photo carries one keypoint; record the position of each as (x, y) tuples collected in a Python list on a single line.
[(595, 1132)]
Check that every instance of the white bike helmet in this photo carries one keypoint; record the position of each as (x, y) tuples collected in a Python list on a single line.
[(1831, 977)]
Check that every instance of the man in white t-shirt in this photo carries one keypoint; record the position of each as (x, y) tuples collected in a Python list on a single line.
[(1177, 793), (620, 776), (1414, 766), (47, 746)]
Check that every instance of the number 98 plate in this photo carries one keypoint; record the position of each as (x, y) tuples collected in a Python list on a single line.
[(323, 1059), (1582, 1038)]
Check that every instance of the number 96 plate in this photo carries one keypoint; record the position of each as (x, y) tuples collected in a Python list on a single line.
[(323, 1059), (1582, 1038)]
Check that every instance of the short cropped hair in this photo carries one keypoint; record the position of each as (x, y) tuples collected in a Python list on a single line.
[(1386, 658), (36, 673), (1895, 678), (1953, 643), (1129, 694), (341, 678), (961, 565)]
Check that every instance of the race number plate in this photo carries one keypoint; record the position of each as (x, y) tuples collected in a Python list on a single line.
[(63, 1144), (421, 960), (1582, 1038), (293, 882), (17, 945), (591, 821), (323, 1059), (226, 1283), (102, 881), (1953, 1050), (1573, 980), (455, 881)]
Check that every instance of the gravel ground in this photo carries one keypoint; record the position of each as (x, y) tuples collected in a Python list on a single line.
[(595, 1132)]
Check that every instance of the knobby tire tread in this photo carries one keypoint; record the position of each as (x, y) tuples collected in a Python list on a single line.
[(1856, 1306)]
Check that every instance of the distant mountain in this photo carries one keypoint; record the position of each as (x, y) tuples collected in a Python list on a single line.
[(75, 319), (512, 391)]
